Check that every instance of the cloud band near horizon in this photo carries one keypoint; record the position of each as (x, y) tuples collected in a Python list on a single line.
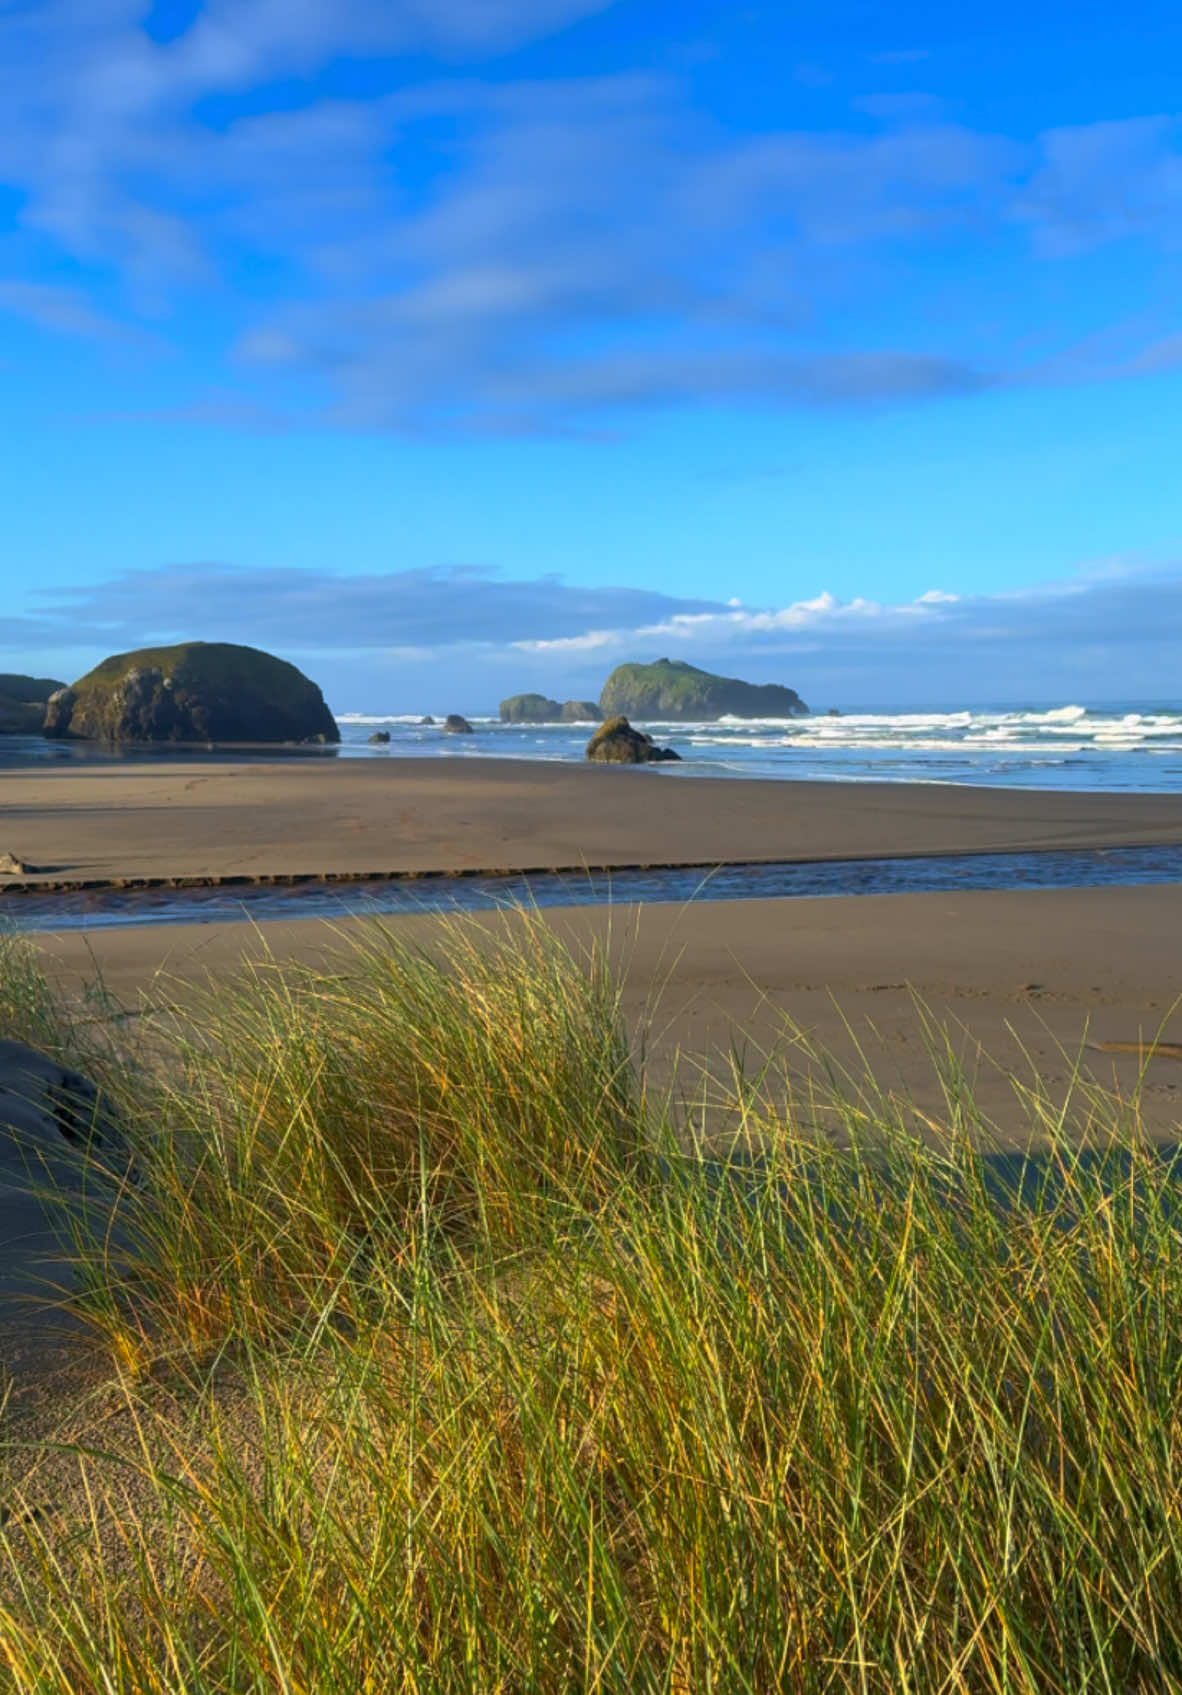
[(493, 635)]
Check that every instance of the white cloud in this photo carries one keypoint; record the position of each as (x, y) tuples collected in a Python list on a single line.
[(590, 642)]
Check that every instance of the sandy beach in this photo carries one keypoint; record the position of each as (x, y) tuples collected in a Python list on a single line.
[(1024, 983), (1030, 983), (1033, 970), (173, 819), (1037, 983)]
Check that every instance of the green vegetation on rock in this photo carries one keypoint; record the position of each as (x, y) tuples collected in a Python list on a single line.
[(530, 709), (20, 717), (671, 688), (15, 686), (22, 702), (193, 692), (540, 709)]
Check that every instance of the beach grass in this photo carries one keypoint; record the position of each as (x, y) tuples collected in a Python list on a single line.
[(440, 1355)]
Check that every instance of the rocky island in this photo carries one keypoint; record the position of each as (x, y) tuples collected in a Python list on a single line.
[(540, 709), (23, 701), (673, 689), (193, 692)]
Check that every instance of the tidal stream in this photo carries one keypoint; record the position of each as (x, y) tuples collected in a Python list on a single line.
[(313, 897)]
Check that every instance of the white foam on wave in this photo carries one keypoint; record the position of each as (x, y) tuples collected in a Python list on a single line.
[(1062, 714), (366, 719), (1060, 745), (1012, 739)]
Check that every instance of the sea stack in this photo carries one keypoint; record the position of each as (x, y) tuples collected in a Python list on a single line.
[(673, 689), (617, 743), (193, 692)]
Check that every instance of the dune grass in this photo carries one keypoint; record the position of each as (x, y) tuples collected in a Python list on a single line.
[(442, 1361)]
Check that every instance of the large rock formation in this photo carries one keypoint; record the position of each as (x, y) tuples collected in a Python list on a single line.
[(617, 743), (670, 688), (530, 709), (195, 692), (22, 702), (540, 709), (455, 724)]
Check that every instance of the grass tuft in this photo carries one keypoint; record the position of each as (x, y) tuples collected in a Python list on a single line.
[(459, 1372)]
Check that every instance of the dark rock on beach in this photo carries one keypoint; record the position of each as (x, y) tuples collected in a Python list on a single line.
[(427, 720), (380, 736), (670, 688), (617, 743), (455, 725), (194, 692), (51, 1120)]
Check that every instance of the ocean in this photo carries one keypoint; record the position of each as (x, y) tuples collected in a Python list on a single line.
[(1129, 746), (1134, 746)]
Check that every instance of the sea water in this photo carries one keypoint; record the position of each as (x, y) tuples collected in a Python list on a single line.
[(1127, 746)]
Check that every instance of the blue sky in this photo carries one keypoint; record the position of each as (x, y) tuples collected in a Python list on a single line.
[(451, 347)]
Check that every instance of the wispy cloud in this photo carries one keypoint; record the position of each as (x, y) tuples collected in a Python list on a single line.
[(1116, 628), (1103, 182), (432, 607), (65, 310), (466, 251)]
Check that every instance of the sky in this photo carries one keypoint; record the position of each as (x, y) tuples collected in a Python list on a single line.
[(451, 348)]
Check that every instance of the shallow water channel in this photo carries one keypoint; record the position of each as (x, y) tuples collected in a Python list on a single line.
[(311, 897)]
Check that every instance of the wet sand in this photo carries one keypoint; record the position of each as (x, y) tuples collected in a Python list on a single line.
[(172, 819), (1022, 980), (1041, 964)]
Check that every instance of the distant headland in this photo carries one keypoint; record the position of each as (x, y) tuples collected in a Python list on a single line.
[(674, 689), (665, 689)]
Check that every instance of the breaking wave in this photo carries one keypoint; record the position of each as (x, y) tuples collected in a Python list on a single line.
[(1133, 746)]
